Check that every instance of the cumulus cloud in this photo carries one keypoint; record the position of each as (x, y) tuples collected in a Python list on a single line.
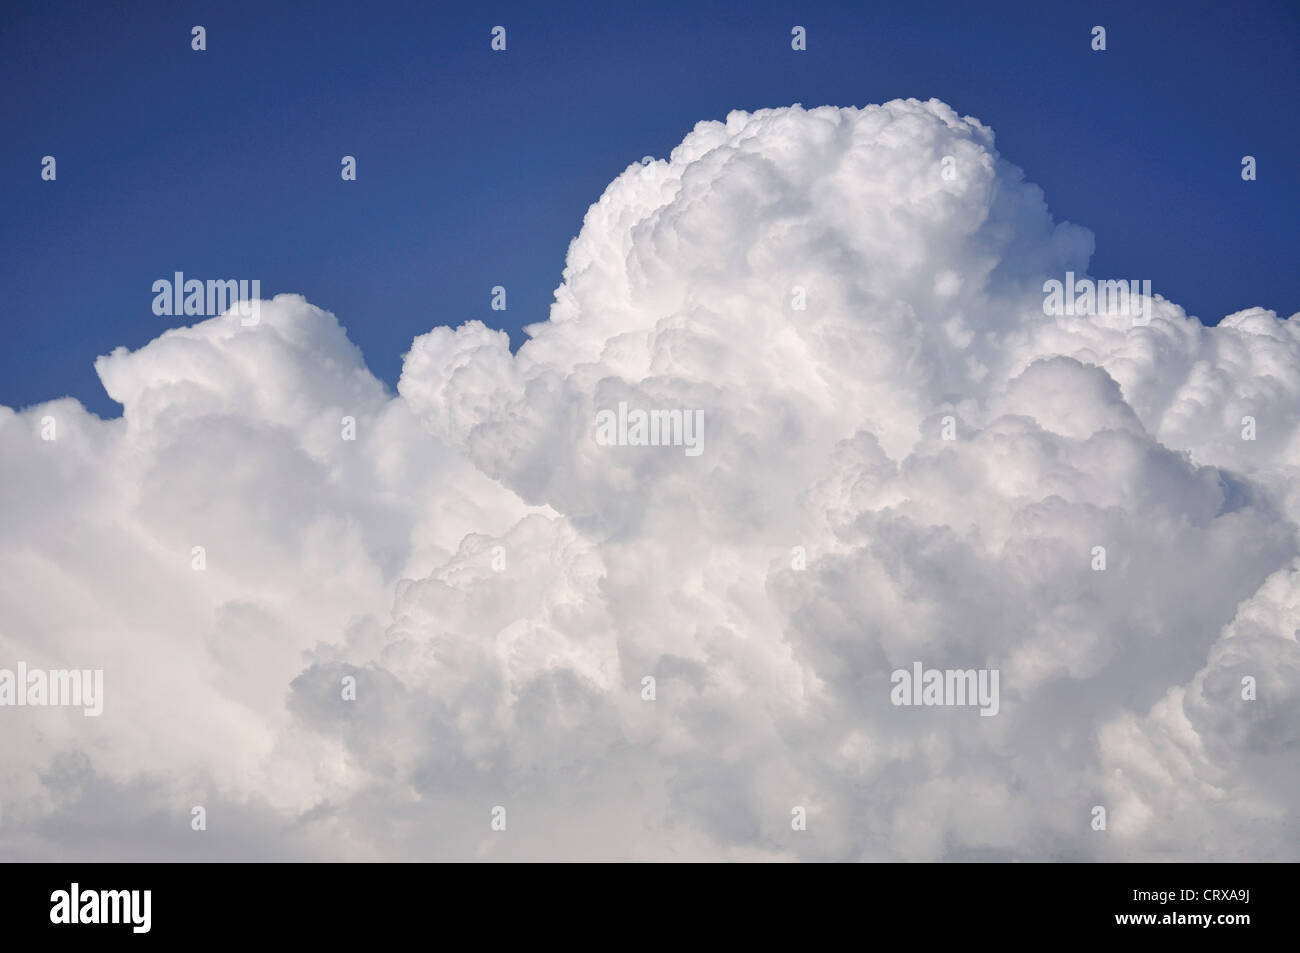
[(904, 459)]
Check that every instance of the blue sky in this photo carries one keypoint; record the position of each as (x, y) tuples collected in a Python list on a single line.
[(475, 168)]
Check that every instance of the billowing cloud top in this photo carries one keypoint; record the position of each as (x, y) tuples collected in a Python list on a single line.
[(649, 651)]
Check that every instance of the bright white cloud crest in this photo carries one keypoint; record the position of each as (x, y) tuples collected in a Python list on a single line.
[(499, 583)]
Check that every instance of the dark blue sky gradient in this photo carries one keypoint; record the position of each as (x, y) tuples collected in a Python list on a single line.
[(475, 168)]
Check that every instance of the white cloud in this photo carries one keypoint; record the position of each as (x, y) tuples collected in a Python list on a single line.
[(520, 685)]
